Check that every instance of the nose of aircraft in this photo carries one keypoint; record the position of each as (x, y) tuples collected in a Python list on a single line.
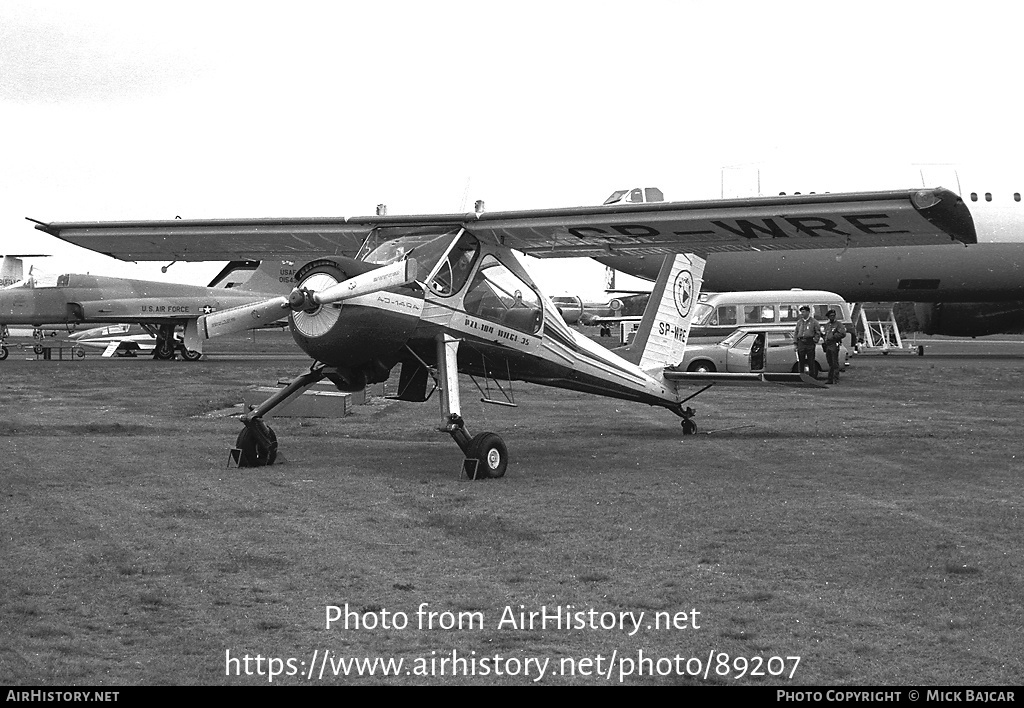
[(363, 334)]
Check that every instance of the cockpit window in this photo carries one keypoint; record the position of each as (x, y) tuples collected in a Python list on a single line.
[(444, 261), (499, 295)]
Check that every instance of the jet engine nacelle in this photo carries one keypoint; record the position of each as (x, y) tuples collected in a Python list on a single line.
[(363, 335), (970, 319)]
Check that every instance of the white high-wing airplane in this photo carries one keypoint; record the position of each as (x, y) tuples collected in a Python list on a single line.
[(444, 294), (958, 291)]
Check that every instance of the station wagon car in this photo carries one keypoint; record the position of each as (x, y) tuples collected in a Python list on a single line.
[(754, 350)]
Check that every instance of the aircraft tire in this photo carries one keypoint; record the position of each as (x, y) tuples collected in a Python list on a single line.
[(163, 354), (703, 367), (689, 427), (190, 354), (490, 451), (37, 348), (3, 352), (251, 455)]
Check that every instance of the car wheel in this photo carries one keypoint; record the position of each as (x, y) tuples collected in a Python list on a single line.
[(702, 367)]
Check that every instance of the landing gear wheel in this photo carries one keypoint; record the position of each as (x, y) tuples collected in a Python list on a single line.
[(252, 455), (37, 348), (689, 427), (190, 355), (491, 455), (3, 352), (163, 354)]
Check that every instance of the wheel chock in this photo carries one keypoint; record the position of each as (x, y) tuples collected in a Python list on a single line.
[(234, 457)]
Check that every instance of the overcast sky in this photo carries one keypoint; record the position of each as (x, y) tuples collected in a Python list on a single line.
[(128, 110)]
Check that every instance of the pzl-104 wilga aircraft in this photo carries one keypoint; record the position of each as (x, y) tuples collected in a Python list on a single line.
[(158, 307), (444, 294)]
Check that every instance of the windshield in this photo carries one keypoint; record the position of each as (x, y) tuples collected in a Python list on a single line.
[(444, 260)]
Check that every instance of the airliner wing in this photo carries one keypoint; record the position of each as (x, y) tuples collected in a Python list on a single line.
[(897, 218)]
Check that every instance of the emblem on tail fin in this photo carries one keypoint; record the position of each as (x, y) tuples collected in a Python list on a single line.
[(682, 290)]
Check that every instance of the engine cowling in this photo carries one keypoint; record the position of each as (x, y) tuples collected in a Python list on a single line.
[(363, 335)]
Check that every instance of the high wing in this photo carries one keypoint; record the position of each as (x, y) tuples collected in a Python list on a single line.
[(896, 218)]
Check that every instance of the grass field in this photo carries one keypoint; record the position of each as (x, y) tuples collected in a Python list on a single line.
[(873, 529)]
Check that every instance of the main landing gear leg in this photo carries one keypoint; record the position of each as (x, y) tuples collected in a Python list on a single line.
[(256, 445), (486, 454), (165, 344)]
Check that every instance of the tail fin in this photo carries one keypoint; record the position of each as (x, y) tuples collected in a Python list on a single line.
[(267, 276), (661, 339), (12, 271)]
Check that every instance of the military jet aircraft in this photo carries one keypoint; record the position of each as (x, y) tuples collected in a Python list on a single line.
[(78, 299), (440, 295)]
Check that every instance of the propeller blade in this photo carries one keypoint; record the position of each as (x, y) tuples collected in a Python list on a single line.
[(389, 276), (238, 319)]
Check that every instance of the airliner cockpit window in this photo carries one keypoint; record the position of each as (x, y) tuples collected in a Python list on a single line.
[(499, 295)]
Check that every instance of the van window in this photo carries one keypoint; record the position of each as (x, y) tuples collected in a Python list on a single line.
[(726, 315), (768, 314), (789, 313), (704, 314), (751, 314)]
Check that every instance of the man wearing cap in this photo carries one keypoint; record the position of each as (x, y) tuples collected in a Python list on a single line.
[(806, 334), (832, 334)]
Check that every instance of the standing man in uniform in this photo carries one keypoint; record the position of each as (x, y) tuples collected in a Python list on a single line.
[(832, 334), (806, 334)]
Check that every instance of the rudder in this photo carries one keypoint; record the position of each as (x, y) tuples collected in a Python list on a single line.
[(661, 338)]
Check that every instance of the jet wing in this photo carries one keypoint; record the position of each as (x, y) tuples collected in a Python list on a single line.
[(896, 218)]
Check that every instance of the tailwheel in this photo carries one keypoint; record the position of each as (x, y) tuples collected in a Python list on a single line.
[(489, 450), (3, 352), (254, 452), (688, 423)]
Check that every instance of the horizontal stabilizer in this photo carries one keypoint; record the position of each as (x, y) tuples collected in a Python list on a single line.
[(726, 379)]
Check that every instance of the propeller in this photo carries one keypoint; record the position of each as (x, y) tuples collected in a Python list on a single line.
[(257, 314)]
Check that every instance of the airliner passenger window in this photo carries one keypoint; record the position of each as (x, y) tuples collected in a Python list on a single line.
[(1016, 196), (974, 196), (988, 196)]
